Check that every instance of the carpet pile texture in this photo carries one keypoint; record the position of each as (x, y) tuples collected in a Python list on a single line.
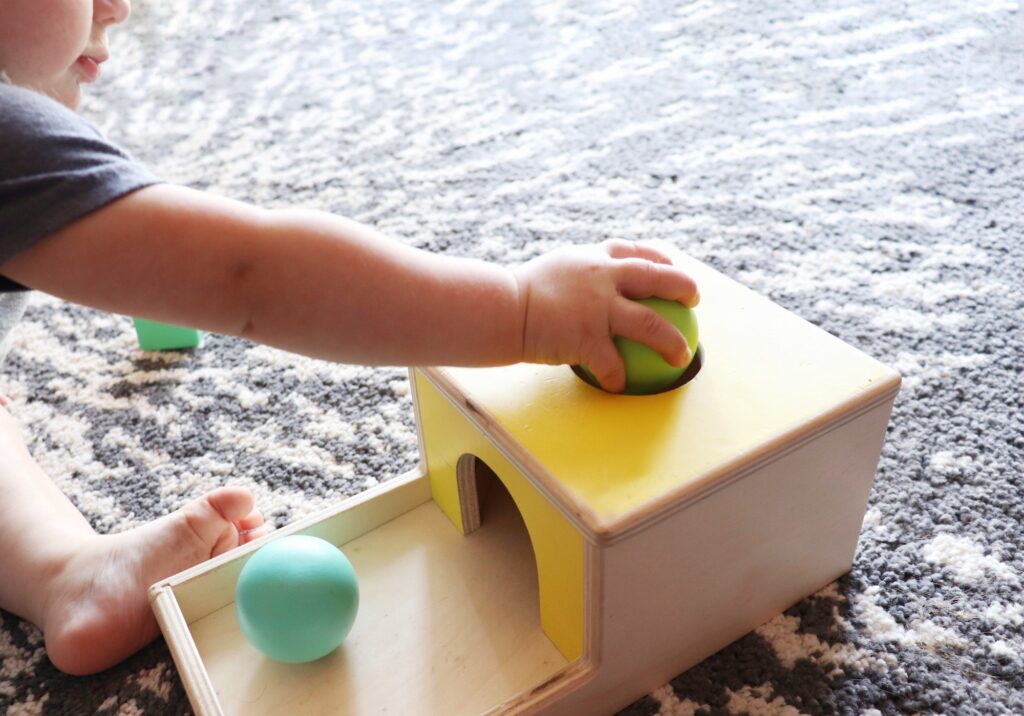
[(861, 164)]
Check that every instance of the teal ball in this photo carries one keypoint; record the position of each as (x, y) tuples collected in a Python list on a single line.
[(297, 598), (646, 371)]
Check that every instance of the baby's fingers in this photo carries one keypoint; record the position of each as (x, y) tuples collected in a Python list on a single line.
[(637, 278), (622, 249), (606, 365), (637, 322)]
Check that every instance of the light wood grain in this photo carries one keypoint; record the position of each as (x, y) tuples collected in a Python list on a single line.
[(447, 625), (200, 690)]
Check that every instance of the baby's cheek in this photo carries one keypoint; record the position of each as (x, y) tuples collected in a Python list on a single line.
[(74, 26), (32, 50)]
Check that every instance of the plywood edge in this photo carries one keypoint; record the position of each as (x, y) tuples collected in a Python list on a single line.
[(196, 681), (208, 586), (418, 422), (469, 497), (579, 673), (547, 693), (608, 530), (621, 527), (579, 514)]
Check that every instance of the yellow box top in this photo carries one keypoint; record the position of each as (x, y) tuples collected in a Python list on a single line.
[(768, 379)]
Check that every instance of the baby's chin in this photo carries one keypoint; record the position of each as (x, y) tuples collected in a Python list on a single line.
[(69, 95)]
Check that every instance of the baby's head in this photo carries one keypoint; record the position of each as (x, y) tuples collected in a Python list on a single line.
[(52, 46)]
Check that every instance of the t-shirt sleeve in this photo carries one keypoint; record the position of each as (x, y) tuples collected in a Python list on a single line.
[(55, 167)]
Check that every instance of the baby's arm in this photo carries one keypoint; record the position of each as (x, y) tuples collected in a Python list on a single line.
[(331, 288)]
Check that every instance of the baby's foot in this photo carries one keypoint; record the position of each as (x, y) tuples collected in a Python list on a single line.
[(97, 611)]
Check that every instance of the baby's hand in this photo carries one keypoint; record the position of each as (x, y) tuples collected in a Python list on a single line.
[(576, 299)]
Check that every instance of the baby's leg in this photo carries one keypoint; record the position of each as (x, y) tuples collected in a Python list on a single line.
[(87, 592)]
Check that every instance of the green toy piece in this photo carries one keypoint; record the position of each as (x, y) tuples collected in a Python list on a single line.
[(296, 598), (646, 371), (155, 336)]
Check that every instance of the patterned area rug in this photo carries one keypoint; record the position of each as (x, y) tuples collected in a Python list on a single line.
[(860, 164)]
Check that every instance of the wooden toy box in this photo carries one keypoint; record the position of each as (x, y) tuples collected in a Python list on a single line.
[(563, 550)]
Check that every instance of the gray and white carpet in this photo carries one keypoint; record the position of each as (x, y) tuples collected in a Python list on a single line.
[(860, 164)]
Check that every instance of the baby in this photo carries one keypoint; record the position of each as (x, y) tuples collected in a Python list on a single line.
[(81, 220)]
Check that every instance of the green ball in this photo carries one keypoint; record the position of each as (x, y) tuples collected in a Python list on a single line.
[(296, 598), (646, 371)]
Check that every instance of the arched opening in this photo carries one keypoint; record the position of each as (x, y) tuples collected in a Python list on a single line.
[(487, 503), (533, 531)]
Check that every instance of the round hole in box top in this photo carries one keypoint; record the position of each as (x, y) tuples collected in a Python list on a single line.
[(687, 375)]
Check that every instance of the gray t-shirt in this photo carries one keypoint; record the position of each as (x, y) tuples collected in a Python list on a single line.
[(55, 167)]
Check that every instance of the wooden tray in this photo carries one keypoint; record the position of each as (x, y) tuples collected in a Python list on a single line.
[(447, 624)]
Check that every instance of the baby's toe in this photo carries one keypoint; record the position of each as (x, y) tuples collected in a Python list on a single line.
[(212, 518), (250, 522), (253, 534), (251, 527), (231, 503)]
